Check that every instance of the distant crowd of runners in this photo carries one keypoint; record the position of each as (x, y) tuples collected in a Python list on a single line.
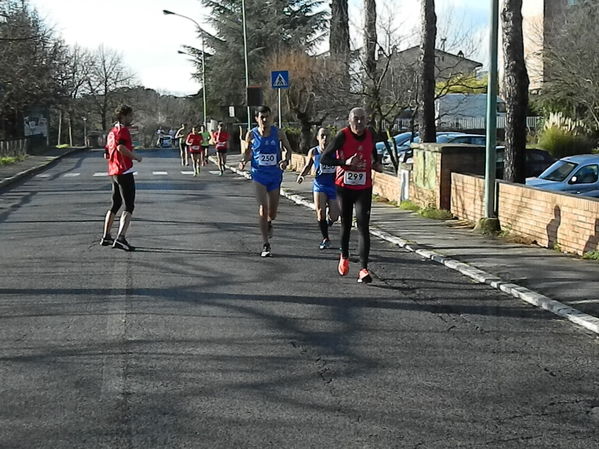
[(342, 165)]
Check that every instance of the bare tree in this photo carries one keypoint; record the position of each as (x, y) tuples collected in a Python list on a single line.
[(515, 88), (572, 65), (107, 75), (339, 30), (428, 131)]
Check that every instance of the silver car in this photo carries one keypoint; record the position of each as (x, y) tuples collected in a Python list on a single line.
[(573, 174)]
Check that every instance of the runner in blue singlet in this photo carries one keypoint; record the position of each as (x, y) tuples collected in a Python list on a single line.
[(263, 149), (323, 187)]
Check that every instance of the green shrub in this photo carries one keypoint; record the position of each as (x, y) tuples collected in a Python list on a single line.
[(560, 143), (591, 255)]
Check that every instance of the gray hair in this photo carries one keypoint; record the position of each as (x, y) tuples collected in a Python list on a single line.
[(354, 111)]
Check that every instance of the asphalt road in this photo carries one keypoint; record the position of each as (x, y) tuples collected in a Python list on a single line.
[(194, 341)]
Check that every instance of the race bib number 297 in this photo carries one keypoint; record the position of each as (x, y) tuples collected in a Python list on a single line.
[(267, 159), (354, 178)]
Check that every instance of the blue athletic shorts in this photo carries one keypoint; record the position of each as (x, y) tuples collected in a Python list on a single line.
[(271, 181), (329, 189)]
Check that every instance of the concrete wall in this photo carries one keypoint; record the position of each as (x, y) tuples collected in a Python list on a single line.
[(570, 222)]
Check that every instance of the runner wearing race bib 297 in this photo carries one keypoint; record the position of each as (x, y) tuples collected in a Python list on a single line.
[(323, 187), (354, 153), (263, 149)]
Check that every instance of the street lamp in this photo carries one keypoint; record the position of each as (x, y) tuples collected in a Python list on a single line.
[(84, 131), (245, 57), (166, 12), (491, 131)]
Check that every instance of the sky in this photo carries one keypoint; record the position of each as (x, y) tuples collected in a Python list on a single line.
[(148, 40)]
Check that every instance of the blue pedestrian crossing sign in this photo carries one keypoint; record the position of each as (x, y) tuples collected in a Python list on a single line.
[(280, 79)]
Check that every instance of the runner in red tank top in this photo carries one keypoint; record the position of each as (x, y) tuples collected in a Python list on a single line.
[(120, 155), (194, 143), (354, 154)]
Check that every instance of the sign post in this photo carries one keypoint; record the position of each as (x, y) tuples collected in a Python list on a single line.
[(280, 80)]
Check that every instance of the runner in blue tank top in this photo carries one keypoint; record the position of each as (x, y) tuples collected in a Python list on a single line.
[(263, 149), (323, 187)]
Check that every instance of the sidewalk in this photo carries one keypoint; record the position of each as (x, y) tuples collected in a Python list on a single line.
[(565, 285), (32, 164)]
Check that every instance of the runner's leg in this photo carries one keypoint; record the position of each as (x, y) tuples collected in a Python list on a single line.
[(320, 202), (346, 199), (263, 211), (127, 189), (363, 207)]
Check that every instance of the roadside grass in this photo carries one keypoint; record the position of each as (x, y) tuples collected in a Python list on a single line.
[(591, 255), (7, 160), (435, 214)]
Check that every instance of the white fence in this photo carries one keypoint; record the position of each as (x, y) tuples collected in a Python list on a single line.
[(532, 123), (11, 148)]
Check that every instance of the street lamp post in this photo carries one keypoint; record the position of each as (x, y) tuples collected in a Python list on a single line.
[(245, 55), (490, 165), (84, 131), (166, 12)]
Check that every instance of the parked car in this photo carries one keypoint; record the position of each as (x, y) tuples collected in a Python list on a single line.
[(535, 162), (403, 142), (471, 139), (573, 174)]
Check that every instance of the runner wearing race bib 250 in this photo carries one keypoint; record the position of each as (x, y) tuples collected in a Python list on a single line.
[(354, 153), (263, 149)]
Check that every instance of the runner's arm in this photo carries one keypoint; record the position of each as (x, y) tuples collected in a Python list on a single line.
[(376, 162), (128, 153), (287, 151), (307, 167), (329, 154), (247, 154)]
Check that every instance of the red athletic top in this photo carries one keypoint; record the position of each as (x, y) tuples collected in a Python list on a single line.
[(220, 139), (194, 141), (118, 164), (347, 177)]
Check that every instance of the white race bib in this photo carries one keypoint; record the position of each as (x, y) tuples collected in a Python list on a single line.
[(327, 168), (267, 159), (354, 178), (195, 147)]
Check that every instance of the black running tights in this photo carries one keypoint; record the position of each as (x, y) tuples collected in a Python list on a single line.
[(362, 200), (123, 190)]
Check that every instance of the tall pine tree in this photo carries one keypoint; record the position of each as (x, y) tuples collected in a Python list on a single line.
[(273, 26)]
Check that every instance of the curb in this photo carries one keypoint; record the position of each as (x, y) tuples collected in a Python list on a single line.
[(585, 320), (33, 170)]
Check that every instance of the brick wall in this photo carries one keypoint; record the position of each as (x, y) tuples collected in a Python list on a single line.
[(570, 222), (386, 185)]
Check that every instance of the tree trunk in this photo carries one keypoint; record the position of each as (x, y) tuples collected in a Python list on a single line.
[(339, 39), (339, 34), (515, 88), (428, 132), (370, 43), (59, 128)]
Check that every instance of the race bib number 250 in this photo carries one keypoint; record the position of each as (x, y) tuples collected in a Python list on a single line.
[(354, 178), (267, 159)]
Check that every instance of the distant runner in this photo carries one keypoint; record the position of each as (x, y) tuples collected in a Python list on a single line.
[(323, 187), (120, 157), (353, 152), (263, 149), (194, 143), (221, 138), (180, 135), (206, 137)]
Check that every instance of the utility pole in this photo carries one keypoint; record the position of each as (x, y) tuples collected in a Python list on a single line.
[(166, 12)]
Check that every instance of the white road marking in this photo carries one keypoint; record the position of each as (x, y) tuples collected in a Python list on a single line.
[(214, 172), (71, 175), (189, 172), (43, 175), (159, 173), (101, 173)]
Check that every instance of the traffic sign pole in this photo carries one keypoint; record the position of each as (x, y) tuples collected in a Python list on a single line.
[(280, 112)]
